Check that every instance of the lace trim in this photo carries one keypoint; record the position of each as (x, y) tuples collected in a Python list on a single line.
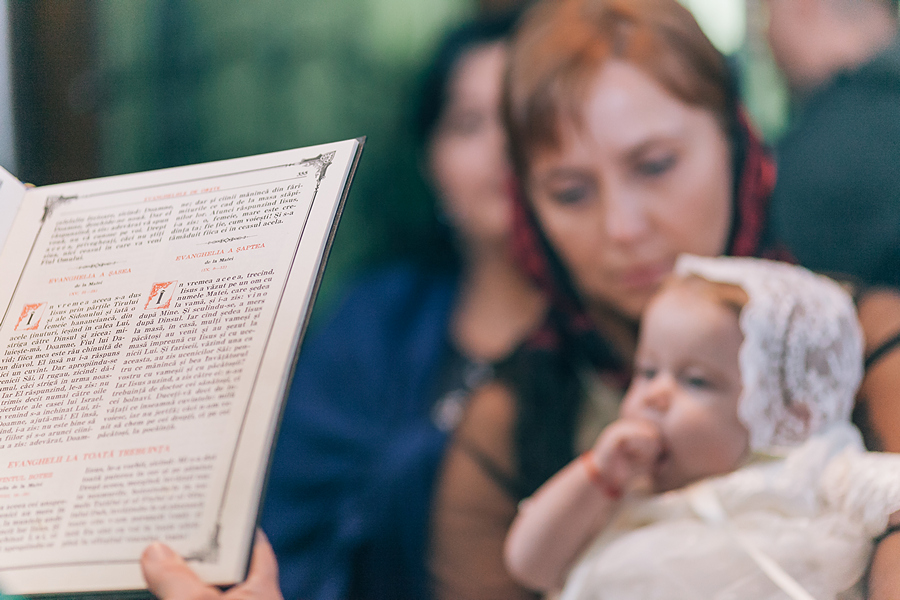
[(801, 358)]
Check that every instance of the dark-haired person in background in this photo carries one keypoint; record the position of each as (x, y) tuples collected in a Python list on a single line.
[(836, 202), (631, 147), (379, 388)]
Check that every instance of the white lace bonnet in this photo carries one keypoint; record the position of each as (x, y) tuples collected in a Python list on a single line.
[(802, 348)]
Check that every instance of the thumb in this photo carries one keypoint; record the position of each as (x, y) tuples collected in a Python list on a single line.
[(169, 577), (262, 578)]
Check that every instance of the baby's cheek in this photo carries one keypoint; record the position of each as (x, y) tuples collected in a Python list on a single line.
[(627, 409), (730, 449), (711, 442)]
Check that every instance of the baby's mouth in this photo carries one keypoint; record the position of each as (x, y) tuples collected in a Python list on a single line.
[(661, 460), (650, 483)]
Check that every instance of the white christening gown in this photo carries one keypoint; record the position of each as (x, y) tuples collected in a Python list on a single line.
[(814, 511)]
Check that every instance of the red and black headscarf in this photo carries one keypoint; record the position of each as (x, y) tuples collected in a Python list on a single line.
[(545, 373)]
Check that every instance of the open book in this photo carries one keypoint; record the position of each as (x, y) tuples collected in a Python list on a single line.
[(149, 326)]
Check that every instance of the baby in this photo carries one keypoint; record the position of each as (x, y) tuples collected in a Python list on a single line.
[(737, 423)]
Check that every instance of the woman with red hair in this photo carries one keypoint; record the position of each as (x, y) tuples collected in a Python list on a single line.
[(631, 149)]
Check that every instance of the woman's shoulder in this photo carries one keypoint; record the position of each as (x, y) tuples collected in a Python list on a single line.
[(878, 407), (486, 432), (492, 404), (879, 314)]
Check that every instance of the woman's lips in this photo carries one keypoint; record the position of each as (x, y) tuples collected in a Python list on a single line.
[(644, 277)]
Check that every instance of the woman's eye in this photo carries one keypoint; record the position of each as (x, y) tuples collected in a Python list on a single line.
[(570, 195), (656, 166)]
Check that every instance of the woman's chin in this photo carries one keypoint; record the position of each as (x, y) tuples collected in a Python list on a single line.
[(631, 302), (621, 307)]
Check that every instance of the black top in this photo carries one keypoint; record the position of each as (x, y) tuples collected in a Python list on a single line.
[(836, 203)]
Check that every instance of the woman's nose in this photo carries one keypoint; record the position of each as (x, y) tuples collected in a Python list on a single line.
[(626, 218)]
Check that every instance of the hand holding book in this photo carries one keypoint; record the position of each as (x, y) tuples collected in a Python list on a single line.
[(169, 577)]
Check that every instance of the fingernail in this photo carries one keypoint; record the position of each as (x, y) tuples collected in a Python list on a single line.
[(158, 551)]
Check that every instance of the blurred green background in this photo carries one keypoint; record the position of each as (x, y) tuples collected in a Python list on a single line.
[(114, 86)]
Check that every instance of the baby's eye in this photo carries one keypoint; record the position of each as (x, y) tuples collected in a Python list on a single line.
[(647, 373), (697, 381)]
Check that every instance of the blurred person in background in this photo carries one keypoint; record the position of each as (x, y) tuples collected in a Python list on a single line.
[(380, 387), (632, 148), (836, 203)]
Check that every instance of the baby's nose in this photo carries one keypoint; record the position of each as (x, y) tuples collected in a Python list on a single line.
[(658, 396)]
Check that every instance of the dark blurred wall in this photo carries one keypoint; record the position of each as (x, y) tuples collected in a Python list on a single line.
[(496, 6), (7, 142), (56, 132)]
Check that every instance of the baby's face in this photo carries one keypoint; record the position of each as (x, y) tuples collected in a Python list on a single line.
[(687, 383)]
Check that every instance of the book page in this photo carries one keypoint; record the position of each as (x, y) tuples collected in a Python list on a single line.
[(144, 354)]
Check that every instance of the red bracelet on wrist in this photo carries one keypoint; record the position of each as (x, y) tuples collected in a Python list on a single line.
[(596, 476)]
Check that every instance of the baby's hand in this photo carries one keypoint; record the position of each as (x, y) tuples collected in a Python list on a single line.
[(625, 453)]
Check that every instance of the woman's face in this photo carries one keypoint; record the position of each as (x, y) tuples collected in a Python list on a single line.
[(467, 157), (643, 179)]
